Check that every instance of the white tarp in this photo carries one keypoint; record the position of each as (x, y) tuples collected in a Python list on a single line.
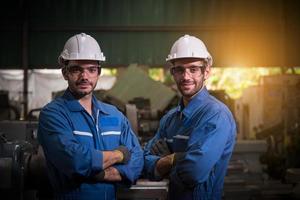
[(41, 84)]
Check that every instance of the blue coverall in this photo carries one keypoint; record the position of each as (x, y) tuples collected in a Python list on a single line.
[(73, 142), (205, 130)]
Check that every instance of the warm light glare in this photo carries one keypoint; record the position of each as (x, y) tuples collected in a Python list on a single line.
[(109, 71), (234, 80)]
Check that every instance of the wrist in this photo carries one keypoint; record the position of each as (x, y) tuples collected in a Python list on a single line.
[(99, 176), (124, 154), (178, 156), (172, 159), (120, 156)]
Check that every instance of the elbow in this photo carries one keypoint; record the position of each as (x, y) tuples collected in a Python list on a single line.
[(195, 179), (131, 175), (75, 166), (136, 171), (131, 171), (76, 169), (193, 176)]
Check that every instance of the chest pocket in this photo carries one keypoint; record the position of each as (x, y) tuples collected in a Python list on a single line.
[(180, 143), (110, 132), (111, 139), (181, 139)]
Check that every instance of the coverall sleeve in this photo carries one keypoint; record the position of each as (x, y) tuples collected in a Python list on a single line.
[(131, 170), (150, 159), (62, 149), (207, 143)]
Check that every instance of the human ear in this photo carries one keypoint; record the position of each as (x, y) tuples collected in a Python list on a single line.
[(207, 72), (64, 73)]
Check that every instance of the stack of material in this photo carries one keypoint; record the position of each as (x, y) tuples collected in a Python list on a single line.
[(245, 178), (293, 177), (145, 189)]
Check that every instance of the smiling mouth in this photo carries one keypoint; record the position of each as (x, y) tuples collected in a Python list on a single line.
[(83, 85), (186, 84)]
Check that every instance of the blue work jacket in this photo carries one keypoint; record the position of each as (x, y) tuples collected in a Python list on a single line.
[(73, 141), (205, 130)]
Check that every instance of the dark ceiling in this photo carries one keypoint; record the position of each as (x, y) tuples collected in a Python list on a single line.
[(259, 33)]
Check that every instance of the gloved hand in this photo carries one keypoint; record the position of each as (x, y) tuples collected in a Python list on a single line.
[(177, 157), (110, 174), (160, 148), (124, 153), (99, 177), (164, 165)]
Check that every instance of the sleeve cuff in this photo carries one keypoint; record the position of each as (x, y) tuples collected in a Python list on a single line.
[(127, 177), (154, 175), (157, 175), (120, 168), (176, 180)]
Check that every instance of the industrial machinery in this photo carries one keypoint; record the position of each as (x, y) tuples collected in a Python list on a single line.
[(23, 168), (22, 163), (7, 110), (282, 124)]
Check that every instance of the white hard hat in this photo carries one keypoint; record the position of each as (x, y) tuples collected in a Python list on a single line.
[(189, 47), (81, 47)]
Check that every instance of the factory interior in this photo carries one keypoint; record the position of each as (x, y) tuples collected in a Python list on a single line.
[(255, 46)]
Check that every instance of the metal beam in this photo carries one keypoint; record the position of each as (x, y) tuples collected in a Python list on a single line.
[(24, 61)]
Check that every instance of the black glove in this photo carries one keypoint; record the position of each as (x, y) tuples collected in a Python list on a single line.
[(99, 177), (160, 148), (177, 157), (126, 154)]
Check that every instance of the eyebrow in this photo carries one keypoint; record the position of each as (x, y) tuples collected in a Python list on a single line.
[(190, 66), (83, 67)]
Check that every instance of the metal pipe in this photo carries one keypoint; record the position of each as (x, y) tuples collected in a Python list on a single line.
[(24, 61)]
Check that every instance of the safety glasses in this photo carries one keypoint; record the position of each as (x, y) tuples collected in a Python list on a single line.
[(78, 70), (193, 70)]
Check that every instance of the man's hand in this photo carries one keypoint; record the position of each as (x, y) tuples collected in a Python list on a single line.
[(112, 174), (160, 148), (124, 154), (119, 155), (164, 165), (178, 156), (109, 174)]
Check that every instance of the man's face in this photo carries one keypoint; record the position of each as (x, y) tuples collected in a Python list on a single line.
[(189, 75), (82, 76)]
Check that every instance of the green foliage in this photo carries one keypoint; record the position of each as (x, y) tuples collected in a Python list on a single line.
[(157, 74), (235, 80), (109, 71)]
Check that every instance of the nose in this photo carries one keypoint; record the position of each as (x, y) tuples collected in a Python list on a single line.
[(84, 73), (186, 73)]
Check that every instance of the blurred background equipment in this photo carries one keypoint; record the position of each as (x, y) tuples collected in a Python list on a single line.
[(257, 168), (7, 111), (255, 45), (22, 162), (151, 98), (281, 127)]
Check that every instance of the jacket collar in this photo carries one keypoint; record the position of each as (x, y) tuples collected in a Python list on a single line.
[(193, 104), (74, 105)]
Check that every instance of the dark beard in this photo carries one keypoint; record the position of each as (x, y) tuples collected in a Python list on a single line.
[(79, 95)]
